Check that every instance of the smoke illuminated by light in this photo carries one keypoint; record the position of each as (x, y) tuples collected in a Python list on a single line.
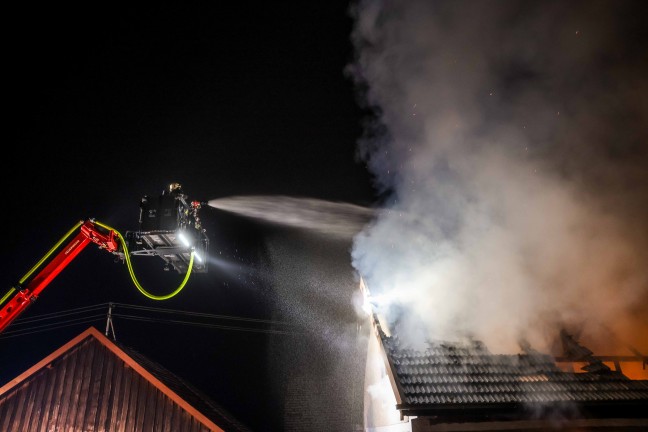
[(515, 175)]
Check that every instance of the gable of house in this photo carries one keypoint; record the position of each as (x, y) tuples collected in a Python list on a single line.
[(91, 383)]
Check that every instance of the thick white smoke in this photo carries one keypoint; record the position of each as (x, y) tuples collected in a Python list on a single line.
[(510, 139)]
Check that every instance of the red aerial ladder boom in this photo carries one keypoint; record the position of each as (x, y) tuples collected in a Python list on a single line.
[(88, 233), (170, 228)]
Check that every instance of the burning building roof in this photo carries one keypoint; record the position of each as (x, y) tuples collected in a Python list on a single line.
[(464, 382)]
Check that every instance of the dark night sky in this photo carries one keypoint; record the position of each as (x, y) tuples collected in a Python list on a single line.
[(105, 106), (512, 136)]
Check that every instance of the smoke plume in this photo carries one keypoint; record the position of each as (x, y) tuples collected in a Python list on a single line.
[(509, 139)]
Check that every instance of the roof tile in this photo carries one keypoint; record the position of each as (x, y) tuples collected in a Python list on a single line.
[(454, 374)]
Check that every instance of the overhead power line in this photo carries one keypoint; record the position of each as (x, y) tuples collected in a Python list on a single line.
[(49, 327), (83, 315), (54, 315), (203, 324)]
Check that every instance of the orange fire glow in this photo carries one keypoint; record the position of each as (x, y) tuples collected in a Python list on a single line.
[(634, 370)]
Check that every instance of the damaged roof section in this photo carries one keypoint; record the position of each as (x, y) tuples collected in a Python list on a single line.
[(466, 380)]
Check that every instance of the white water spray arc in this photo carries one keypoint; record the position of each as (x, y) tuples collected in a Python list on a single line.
[(335, 219)]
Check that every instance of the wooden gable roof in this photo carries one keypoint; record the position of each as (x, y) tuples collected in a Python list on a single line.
[(92, 384)]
